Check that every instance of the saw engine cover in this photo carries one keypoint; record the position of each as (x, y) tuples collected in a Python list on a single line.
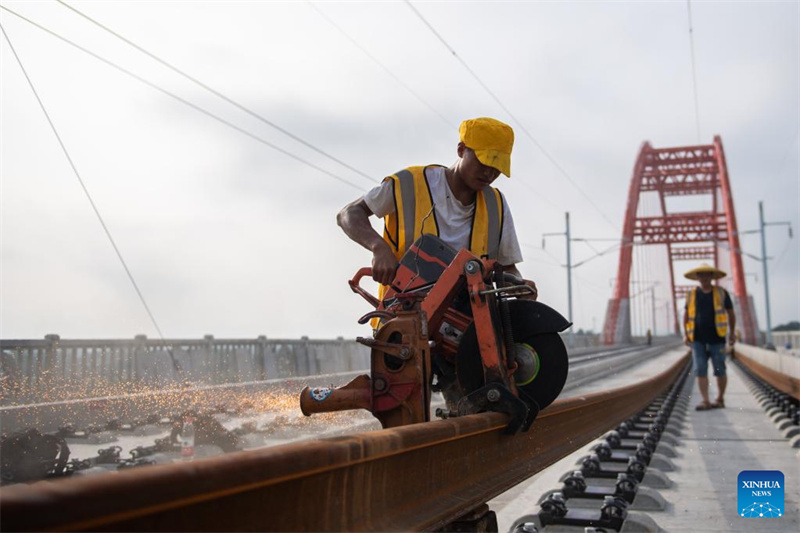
[(458, 324)]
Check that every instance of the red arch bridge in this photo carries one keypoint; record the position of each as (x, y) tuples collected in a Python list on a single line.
[(708, 233)]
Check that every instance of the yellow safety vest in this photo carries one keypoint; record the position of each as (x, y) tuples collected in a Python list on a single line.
[(720, 314), (414, 215)]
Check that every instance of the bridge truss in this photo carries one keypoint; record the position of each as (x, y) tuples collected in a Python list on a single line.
[(707, 235)]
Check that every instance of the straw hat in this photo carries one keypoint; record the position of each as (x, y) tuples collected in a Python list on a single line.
[(705, 268)]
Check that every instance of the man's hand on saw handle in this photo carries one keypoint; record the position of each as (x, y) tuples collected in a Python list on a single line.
[(384, 264), (354, 220), (512, 269)]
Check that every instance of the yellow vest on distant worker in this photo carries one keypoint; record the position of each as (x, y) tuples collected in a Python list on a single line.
[(720, 314), (414, 215)]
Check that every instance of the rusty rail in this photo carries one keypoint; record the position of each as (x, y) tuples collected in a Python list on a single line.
[(416, 477), (783, 382)]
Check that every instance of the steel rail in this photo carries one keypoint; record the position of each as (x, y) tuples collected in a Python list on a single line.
[(783, 382), (415, 477)]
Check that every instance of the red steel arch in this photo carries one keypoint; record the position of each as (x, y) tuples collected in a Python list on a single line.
[(688, 235)]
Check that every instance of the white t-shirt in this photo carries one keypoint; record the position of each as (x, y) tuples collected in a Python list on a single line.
[(453, 217)]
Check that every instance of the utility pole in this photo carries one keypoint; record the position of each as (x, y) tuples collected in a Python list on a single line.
[(653, 302), (764, 258), (568, 236), (569, 281), (667, 305), (764, 264)]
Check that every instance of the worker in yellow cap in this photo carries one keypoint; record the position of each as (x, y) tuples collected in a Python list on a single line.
[(456, 203), (709, 319)]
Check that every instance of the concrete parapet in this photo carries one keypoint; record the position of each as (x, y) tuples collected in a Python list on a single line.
[(785, 363), (54, 369)]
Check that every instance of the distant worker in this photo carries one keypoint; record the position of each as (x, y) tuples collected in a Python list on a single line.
[(455, 203), (649, 337), (708, 321)]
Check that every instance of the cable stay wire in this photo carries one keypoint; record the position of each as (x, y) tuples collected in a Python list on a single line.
[(188, 103), (519, 123), (383, 67), (217, 93), (77, 174), (694, 71)]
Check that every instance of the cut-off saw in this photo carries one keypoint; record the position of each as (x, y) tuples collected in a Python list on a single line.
[(453, 323)]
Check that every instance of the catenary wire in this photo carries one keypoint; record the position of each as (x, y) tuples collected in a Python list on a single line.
[(527, 133), (89, 197), (267, 121), (416, 95), (383, 67), (694, 70), (555, 261), (217, 93), (187, 103)]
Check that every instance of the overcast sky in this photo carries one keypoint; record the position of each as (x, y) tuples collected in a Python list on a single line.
[(227, 236)]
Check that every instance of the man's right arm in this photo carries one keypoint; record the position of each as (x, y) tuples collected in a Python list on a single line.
[(354, 220)]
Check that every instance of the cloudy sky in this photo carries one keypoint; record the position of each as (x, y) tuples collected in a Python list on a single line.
[(225, 235)]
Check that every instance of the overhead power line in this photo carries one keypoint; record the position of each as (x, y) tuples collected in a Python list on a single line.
[(694, 71), (216, 92), (382, 66), (527, 133), (187, 103), (91, 201)]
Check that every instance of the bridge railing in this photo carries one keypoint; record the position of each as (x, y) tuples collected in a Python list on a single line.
[(55, 369)]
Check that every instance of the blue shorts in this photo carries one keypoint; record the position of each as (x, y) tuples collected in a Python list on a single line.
[(702, 352)]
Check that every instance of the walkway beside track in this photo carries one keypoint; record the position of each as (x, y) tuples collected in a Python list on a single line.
[(713, 448), (716, 446)]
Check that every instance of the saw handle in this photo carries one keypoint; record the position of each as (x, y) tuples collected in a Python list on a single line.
[(358, 289)]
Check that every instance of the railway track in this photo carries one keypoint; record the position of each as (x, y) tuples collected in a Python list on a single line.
[(367, 480), (269, 404), (261, 414)]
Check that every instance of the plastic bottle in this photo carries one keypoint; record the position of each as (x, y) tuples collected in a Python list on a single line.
[(187, 439)]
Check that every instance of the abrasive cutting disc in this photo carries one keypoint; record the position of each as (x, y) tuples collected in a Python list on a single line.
[(527, 325)]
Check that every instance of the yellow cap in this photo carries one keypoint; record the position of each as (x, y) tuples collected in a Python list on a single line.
[(491, 140)]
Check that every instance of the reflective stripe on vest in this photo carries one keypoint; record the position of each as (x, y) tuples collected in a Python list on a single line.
[(414, 215), (720, 313)]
